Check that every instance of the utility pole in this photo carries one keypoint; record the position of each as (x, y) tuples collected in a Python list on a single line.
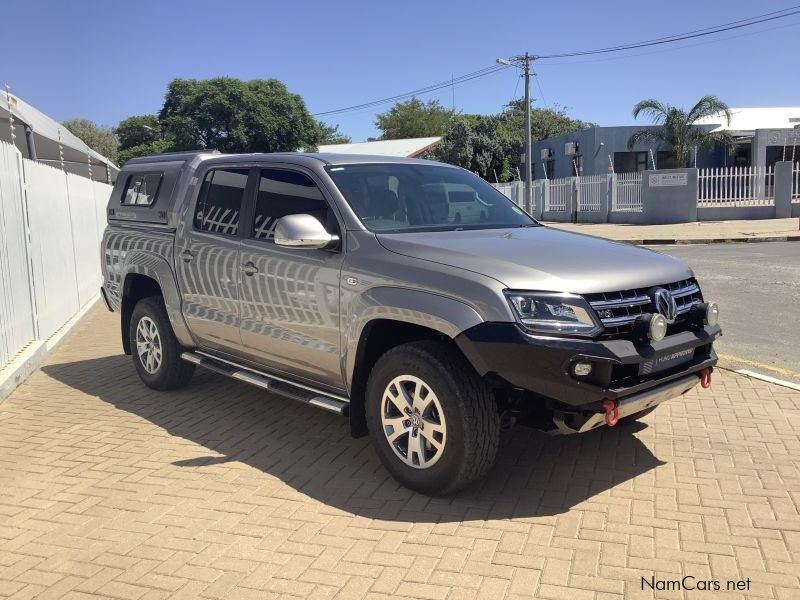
[(524, 61)]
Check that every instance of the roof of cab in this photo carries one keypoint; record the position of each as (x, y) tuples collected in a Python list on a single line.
[(292, 157)]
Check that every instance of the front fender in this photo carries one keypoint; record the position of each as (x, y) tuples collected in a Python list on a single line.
[(446, 315), (158, 268)]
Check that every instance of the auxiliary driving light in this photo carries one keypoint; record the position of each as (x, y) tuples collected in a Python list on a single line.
[(712, 313), (582, 369), (658, 327)]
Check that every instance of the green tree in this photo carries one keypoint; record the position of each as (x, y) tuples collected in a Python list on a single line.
[(138, 130), (330, 134), (140, 135), (98, 138), (545, 122), (155, 147), (678, 128), (413, 119), (232, 115), (492, 145)]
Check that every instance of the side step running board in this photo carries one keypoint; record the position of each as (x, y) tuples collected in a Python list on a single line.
[(282, 387)]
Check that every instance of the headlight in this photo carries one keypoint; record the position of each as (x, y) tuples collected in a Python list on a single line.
[(554, 314)]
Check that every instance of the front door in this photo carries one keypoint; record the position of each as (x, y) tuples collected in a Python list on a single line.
[(289, 296), (208, 259)]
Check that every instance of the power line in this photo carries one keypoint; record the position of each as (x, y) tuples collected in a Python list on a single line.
[(663, 50), (453, 81), (770, 16), (431, 88), (541, 92)]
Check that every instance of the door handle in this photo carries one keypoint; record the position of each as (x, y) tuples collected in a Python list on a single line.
[(186, 256), (249, 269)]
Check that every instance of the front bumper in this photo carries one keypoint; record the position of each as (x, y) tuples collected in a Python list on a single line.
[(621, 368)]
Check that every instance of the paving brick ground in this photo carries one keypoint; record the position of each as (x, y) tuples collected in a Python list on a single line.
[(110, 490)]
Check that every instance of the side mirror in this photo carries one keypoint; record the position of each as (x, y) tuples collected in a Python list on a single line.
[(302, 231)]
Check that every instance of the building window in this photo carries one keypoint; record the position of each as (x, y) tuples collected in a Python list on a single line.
[(628, 162), (141, 189), (220, 201)]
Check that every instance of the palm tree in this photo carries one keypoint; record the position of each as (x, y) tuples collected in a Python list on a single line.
[(678, 128)]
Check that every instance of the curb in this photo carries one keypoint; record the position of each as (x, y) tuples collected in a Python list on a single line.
[(678, 242), (35, 353), (761, 377)]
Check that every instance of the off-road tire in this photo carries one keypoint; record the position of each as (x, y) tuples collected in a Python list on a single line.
[(172, 372), (471, 418)]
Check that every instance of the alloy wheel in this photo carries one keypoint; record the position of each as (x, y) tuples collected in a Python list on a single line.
[(413, 421), (148, 345)]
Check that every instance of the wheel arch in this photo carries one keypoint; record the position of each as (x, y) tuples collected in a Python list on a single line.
[(384, 318), (151, 275)]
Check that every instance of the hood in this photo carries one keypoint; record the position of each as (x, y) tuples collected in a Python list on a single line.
[(541, 258)]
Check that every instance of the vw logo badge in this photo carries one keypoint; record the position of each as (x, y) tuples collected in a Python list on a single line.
[(665, 304)]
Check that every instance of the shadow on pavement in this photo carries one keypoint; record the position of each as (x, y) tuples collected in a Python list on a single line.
[(312, 451)]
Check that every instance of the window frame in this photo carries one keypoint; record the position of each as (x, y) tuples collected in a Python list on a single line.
[(249, 232), (142, 175), (200, 197)]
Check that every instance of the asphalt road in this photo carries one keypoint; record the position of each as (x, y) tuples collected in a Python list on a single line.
[(757, 286)]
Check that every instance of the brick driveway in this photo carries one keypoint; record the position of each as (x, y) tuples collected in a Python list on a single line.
[(110, 490)]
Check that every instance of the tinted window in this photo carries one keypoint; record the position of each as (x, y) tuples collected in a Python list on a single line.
[(141, 189), (220, 202), (282, 193), (394, 197)]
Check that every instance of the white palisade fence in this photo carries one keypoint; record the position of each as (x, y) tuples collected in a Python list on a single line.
[(592, 190), (627, 192), (51, 224), (559, 192), (796, 182), (736, 186)]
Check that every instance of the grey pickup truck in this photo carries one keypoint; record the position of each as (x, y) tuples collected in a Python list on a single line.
[(409, 296)]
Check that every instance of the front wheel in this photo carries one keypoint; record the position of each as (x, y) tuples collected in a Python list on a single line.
[(432, 420), (156, 352)]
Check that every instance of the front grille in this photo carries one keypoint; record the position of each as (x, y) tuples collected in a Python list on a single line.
[(619, 310)]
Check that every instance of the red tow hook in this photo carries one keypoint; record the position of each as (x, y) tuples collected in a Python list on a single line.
[(612, 413), (705, 378)]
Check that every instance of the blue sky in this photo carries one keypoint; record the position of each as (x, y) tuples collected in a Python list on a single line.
[(106, 60)]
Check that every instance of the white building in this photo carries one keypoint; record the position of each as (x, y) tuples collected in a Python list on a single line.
[(409, 148)]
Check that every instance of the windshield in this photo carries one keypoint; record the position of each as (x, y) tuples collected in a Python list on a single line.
[(395, 197)]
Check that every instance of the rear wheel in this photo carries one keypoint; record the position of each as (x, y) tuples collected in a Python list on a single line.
[(432, 420), (156, 352)]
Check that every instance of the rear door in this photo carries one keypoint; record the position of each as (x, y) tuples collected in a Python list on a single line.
[(289, 297), (208, 258)]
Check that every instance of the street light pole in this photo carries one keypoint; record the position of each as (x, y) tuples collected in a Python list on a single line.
[(524, 62)]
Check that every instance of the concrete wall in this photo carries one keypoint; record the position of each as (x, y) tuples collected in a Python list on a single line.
[(670, 196)]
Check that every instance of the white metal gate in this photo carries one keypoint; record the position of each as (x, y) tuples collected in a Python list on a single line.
[(592, 190), (626, 192), (559, 192)]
